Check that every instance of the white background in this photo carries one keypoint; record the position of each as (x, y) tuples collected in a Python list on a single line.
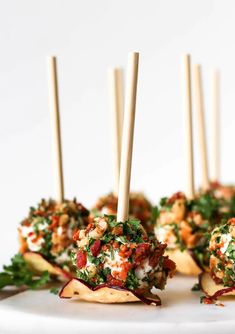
[(88, 37)]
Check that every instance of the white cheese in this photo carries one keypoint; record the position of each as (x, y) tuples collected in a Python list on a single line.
[(114, 264), (64, 257), (225, 239), (166, 235), (25, 230), (36, 245), (142, 270)]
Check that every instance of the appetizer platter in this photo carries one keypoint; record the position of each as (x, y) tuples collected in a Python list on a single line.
[(145, 266)]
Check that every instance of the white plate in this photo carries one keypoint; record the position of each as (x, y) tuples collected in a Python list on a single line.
[(42, 312)]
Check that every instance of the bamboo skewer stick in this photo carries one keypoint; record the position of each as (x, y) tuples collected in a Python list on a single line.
[(199, 104), (116, 101), (215, 87), (54, 105), (187, 100), (127, 138)]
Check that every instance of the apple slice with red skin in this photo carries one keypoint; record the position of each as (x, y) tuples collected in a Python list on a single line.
[(105, 293), (185, 263), (213, 290), (38, 264)]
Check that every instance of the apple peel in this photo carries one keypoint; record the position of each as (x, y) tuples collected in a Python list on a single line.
[(38, 264), (105, 293), (213, 290), (185, 263)]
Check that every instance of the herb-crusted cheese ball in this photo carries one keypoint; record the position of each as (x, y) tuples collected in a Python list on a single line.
[(49, 228), (120, 254), (184, 226), (139, 208), (222, 249)]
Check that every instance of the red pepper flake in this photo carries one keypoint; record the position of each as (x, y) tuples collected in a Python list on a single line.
[(76, 235), (95, 247), (114, 282), (54, 222), (81, 259), (125, 267)]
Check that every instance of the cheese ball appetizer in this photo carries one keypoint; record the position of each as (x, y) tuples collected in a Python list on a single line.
[(120, 258), (139, 208), (220, 281), (184, 226), (46, 235)]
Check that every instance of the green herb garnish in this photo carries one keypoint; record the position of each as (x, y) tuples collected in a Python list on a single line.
[(18, 274)]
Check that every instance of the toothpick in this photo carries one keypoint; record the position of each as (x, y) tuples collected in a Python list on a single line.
[(54, 104), (116, 101), (190, 192), (127, 138), (199, 104), (215, 83)]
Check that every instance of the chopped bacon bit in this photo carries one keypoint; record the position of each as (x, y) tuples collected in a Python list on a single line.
[(105, 247), (208, 301), (173, 198), (81, 259), (125, 267), (34, 240), (215, 184), (141, 252), (95, 247), (55, 222), (115, 245), (169, 264), (125, 251), (123, 248), (76, 235), (90, 227), (26, 223), (118, 230), (156, 255), (231, 221), (114, 282), (132, 246)]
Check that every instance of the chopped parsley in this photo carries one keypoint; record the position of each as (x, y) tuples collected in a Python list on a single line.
[(18, 274)]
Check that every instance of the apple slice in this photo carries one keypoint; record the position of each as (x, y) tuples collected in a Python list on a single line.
[(213, 290), (38, 264), (105, 293), (185, 264)]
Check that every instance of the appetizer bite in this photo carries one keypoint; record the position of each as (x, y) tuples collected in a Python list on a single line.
[(118, 256), (46, 235), (116, 260), (139, 208), (220, 280), (184, 226)]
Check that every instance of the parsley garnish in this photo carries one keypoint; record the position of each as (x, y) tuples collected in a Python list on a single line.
[(18, 274)]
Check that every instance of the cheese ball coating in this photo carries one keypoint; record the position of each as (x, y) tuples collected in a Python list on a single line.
[(222, 253), (49, 229), (120, 254)]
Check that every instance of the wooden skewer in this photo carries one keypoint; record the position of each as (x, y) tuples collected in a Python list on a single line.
[(127, 137), (215, 126), (190, 192), (199, 104), (120, 90), (116, 98), (54, 105)]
